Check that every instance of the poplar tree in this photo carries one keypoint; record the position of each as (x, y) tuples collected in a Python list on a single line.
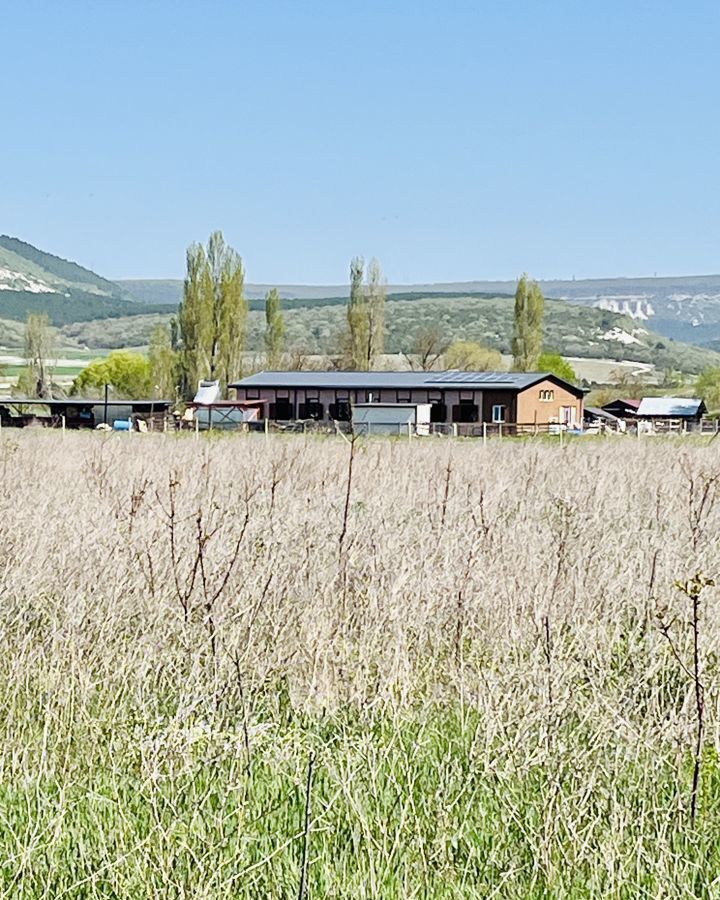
[(39, 350), (365, 339), (274, 329), (194, 324), (357, 318), (163, 363), (375, 313), (528, 325), (212, 317)]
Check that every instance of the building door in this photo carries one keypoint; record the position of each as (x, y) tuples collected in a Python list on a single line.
[(568, 416)]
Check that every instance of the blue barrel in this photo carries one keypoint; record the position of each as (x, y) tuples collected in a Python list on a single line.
[(122, 425)]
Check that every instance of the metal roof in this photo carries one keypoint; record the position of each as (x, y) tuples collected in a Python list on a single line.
[(670, 406), (511, 381), (75, 402)]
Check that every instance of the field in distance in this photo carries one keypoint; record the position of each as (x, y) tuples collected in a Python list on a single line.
[(440, 670)]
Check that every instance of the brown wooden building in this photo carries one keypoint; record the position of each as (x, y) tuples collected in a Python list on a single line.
[(499, 398)]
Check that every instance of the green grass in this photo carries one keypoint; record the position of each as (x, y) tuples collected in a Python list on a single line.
[(14, 371), (131, 800)]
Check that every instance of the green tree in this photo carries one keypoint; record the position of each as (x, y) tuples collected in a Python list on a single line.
[(194, 323), (128, 373), (707, 387), (163, 364), (375, 313), (357, 318), (39, 353), (469, 356), (212, 316), (364, 340), (554, 363), (528, 325), (274, 329)]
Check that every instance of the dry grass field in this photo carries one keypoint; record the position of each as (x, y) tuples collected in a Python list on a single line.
[(472, 675)]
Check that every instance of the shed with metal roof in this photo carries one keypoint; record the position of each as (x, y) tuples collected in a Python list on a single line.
[(688, 408)]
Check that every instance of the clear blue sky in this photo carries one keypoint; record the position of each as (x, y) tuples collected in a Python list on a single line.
[(453, 140)]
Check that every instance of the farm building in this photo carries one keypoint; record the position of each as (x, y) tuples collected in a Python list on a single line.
[(623, 409), (226, 414), (597, 418), (682, 412), (208, 411), (528, 399), (76, 413), (391, 418)]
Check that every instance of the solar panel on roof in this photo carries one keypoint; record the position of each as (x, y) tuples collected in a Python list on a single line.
[(455, 377)]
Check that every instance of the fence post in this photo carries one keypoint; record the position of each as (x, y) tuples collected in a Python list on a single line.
[(409, 432), (454, 429), (484, 433), (62, 422), (197, 426)]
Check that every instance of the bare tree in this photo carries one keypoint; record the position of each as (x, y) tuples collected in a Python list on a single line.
[(429, 344)]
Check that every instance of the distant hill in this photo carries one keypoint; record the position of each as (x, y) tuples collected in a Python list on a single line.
[(617, 319), (684, 307), (34, 281), (314, 325)]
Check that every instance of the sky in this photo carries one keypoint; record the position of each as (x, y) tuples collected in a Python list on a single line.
[(452, 140)]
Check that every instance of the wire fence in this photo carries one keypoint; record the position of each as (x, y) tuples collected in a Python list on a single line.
[(166, 423)]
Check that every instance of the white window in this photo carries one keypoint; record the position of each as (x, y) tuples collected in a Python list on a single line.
[(498, 413), (547, 395)]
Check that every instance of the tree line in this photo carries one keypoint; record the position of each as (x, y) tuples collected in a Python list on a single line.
[(205, 340)]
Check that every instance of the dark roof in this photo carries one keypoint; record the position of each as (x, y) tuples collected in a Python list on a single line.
[(74, 402), (226, 404), (599, 413), (508, 381), (631, 404)]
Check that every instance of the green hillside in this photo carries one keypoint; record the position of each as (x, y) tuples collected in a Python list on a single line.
[(53, 270), (314, 325), (34, 281)]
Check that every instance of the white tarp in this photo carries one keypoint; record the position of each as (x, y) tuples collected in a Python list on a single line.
[(208, 392)]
